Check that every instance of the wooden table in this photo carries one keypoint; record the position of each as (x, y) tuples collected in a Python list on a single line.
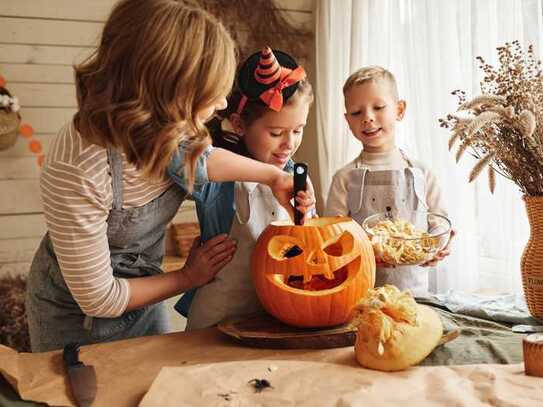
[(126, 369)]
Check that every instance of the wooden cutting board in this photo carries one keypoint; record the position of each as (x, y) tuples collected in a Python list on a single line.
[(264, 331)]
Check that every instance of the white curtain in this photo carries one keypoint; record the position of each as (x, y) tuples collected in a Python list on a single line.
[(431, 47)]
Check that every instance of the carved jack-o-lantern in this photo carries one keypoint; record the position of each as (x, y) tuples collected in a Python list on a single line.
[(313, 275)]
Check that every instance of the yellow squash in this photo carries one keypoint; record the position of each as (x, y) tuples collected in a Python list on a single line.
[(394, 332)]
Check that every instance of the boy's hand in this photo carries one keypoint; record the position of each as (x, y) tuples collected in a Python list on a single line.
[(440, 255), (382, 264), (206, 260)]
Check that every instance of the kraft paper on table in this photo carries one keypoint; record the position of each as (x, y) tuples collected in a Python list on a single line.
[(297, 383), (126, 369)]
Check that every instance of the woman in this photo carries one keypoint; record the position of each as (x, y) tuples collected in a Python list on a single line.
[(162, 68)]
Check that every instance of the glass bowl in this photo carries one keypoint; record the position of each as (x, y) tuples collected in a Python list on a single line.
[(410, 238)]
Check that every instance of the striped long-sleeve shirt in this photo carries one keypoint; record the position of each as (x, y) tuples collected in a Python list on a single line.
[(77, 196)]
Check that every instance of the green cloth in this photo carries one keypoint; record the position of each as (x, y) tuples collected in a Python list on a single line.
[(480, 341)]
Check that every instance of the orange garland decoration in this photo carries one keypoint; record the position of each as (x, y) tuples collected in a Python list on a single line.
[(34, 145), (26, 131)]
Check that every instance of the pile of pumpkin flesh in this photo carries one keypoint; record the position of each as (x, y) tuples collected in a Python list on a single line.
[(394, 332)]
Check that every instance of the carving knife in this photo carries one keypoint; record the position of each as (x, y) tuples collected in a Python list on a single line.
[(300, 184), (82, 377)]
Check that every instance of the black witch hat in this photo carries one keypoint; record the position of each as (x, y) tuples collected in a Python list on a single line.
[(269, 76)]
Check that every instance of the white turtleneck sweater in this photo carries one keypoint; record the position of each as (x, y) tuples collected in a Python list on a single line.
[(336, 203)]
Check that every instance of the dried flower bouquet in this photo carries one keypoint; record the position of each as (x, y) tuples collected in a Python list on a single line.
[(502, 128)]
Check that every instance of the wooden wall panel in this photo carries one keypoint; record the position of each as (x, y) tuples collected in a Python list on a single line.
[(97, 10), (44, 94), (20, 149), (20, 196), (38, 73), (49, 32), (38, 54), (14, 268)]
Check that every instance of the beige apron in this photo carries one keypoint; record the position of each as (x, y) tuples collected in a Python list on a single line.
[(231, 292), (371, 192)]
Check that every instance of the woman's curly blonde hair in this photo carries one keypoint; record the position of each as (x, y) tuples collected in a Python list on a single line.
[(158, 64)]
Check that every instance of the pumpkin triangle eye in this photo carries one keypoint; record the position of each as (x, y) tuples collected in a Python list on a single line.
[(340, 246), (284, 247), (293, 251)]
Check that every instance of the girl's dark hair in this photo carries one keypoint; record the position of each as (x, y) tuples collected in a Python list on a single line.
[(252, 111)]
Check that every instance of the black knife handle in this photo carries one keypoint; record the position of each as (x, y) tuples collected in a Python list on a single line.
[(300, 184), (71, 354)]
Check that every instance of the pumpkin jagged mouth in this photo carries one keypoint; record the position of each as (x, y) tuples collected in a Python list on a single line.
[(321, 265), (318, 282)]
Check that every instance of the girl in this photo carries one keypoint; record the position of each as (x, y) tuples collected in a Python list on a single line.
[(161, 69), (265, 121)]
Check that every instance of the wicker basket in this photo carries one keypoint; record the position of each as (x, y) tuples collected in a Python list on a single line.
[(184, 234), (9, 125), (532, 258)]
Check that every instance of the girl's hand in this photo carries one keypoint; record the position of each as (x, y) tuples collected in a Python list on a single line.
[(206, 260), (282, 188), (440, 255)]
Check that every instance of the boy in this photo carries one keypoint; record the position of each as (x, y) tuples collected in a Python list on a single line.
[(382, 175)]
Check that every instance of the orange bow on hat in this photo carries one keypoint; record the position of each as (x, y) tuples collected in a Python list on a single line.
[(269, 78), (273, 97)]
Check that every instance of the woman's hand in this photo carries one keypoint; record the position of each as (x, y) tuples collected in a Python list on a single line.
[(206, 260), (440, 255), (305, 202), (282, 187)]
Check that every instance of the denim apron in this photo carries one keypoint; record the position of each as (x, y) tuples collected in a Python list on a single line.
[(371, 192), (136, 242), (231, 292)]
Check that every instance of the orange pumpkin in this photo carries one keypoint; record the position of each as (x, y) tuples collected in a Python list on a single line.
[(313, 275)]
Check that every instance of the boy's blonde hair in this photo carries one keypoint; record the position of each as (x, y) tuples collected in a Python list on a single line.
[(371, 73), (159, 63)]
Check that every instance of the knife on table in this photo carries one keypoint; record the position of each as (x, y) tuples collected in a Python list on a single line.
[(300, 184), (82, 377)]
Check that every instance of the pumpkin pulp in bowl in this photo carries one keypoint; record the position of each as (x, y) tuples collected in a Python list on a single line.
[(396, 241)]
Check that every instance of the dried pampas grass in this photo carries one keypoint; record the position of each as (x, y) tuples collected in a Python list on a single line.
[(502, 127)]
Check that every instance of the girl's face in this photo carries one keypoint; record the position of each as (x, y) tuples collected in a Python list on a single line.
[(276, 136)]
